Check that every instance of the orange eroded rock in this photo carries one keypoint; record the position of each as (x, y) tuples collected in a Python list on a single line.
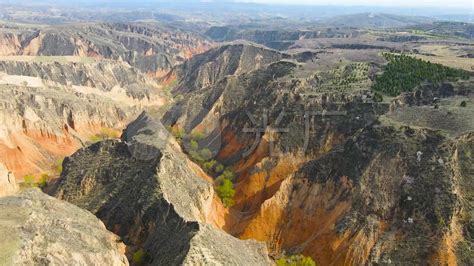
[(301, 216)]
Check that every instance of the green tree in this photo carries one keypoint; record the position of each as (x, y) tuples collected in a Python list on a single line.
[(219, 168), (193, 145), (228, 174), (206, 153), (378, 97), (196, 157), (197, 135), (208, 166), (404, 73), (226, 192)]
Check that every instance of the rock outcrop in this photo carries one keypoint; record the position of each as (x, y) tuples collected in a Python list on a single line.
[(148, 192), (8, 184), (39, 229)]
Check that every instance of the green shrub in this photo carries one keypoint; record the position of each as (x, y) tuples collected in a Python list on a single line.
[(29, 181), (226, 192), (463, 104), (43, 181), (178, 133), (193, 145), (59, 166), (95, 138), (296, 260), (179, 98), (140, 256), (228, 174), (105, 133), (108, 133), (197, 135), (378, 97), (219, 168), (206, 153), (196, 157), (208, 166)]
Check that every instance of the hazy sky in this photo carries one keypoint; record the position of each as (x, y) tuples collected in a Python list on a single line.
[(402, 3)]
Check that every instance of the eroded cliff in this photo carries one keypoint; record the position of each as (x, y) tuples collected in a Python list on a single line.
[(149, 47), (49, 110)]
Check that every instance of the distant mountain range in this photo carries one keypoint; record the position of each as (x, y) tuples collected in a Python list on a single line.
[(222, 9)]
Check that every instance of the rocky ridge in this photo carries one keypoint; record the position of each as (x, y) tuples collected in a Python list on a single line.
[(165, 212), (229, 59)]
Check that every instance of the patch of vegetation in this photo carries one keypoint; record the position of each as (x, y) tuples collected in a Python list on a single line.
[(178, 133), (196, 157), (203, 156), (140, 256), (226, 192), (197, 135), (193, 145), (295, 260), (343, 77), (59, 166), (206, 153), (219, 168), (225, 187), (179, 98), (105, 133), (209, 166), (404, 73), (377, 97), (43, 180), (31, 181), (227, 174)]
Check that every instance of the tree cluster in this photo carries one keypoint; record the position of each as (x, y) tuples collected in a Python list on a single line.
[(404, 73)]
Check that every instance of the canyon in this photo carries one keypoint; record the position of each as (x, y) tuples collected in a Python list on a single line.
[(355, 191), (207, 142)]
